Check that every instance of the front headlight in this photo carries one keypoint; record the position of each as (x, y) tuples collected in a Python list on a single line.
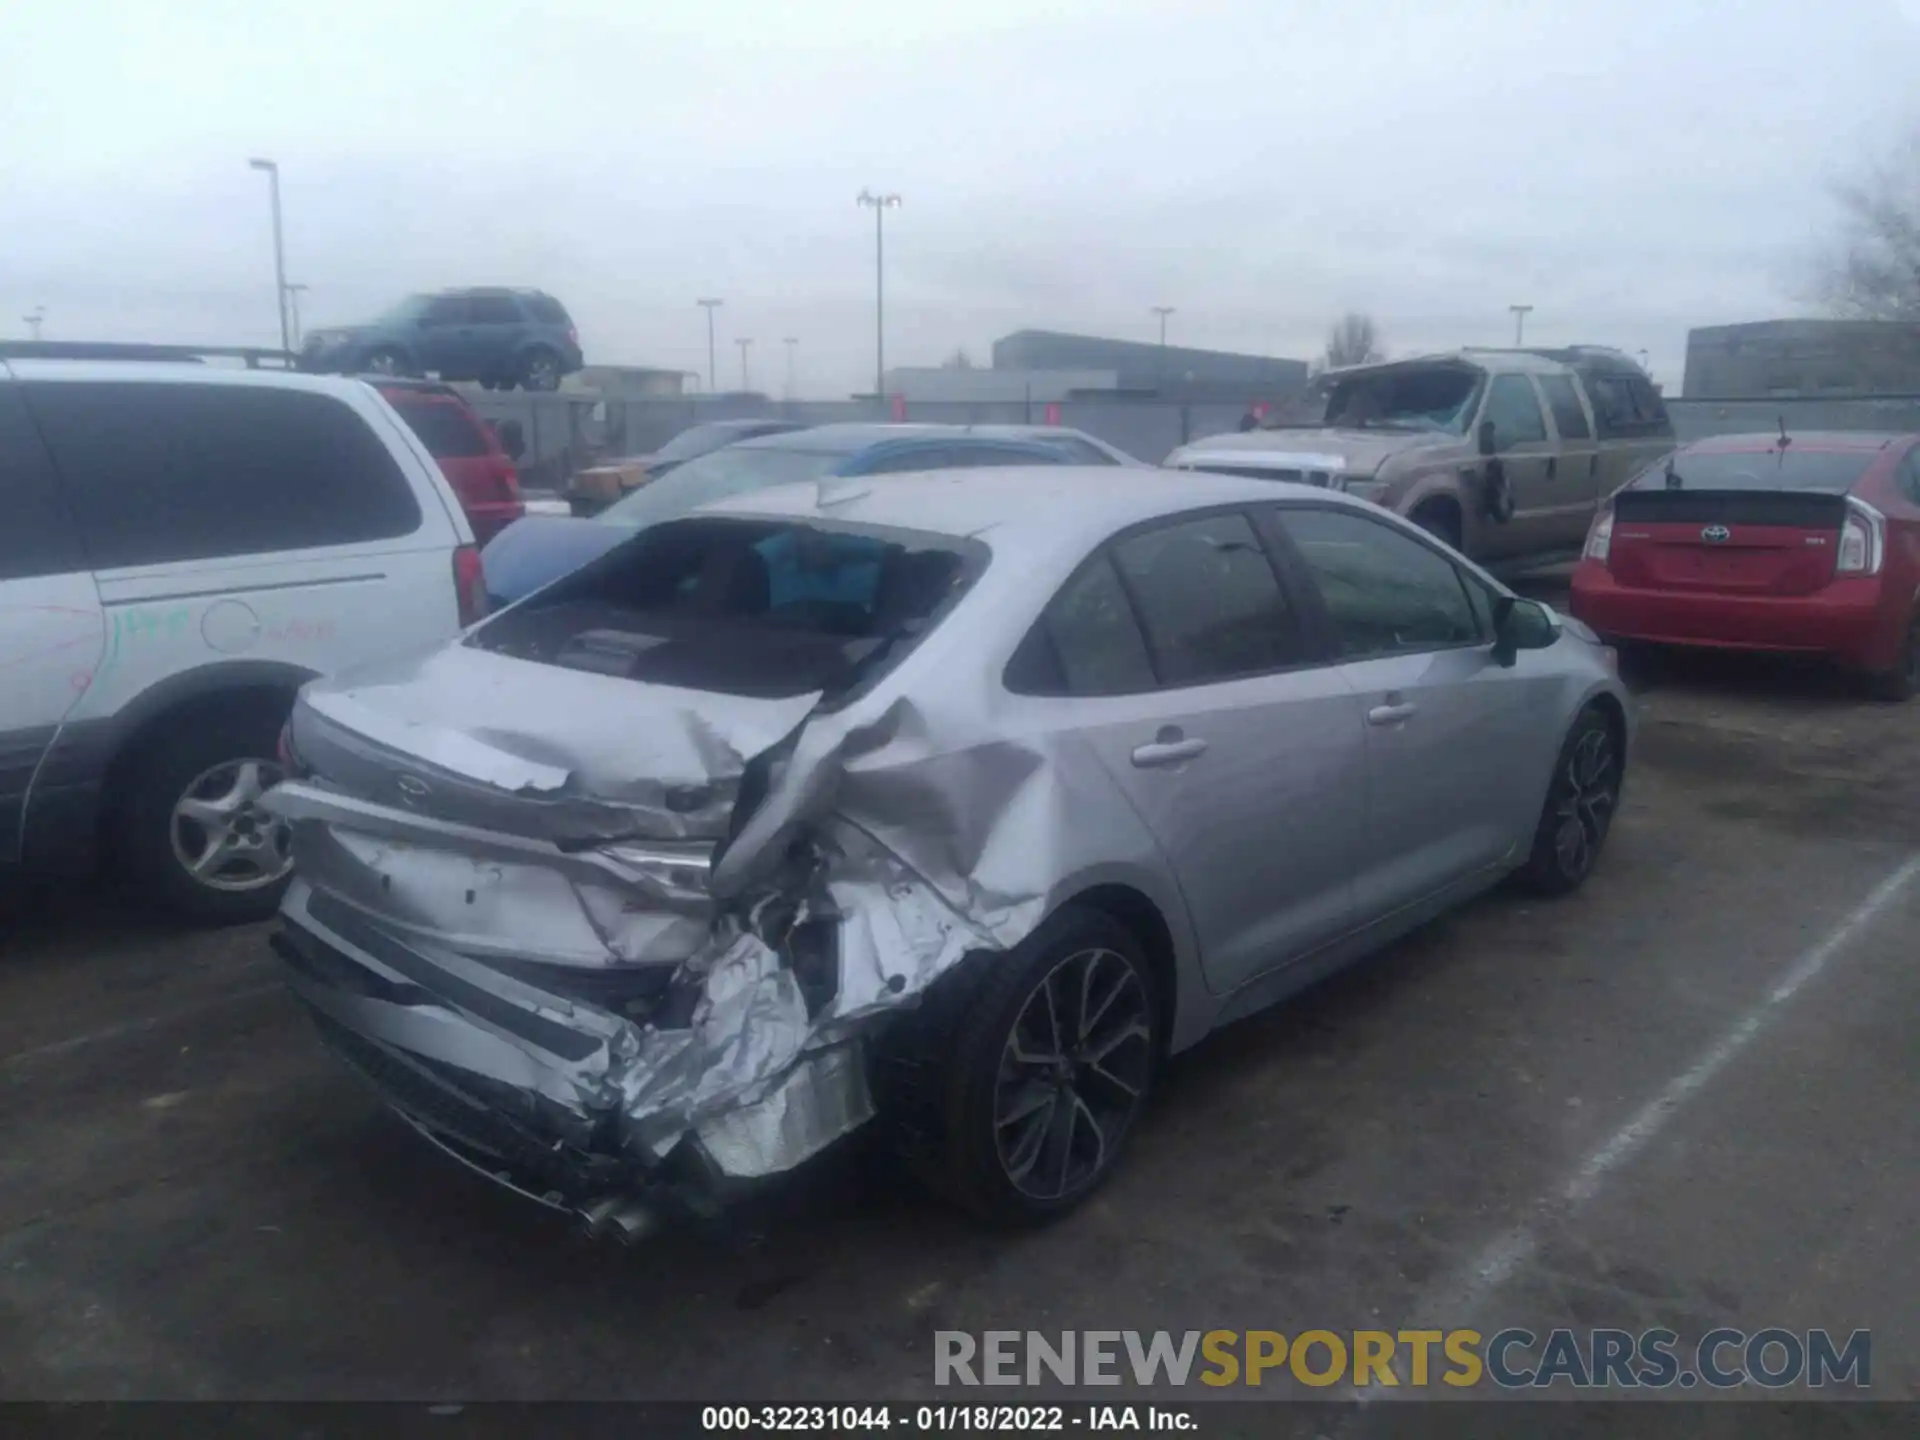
[(1364, 487)]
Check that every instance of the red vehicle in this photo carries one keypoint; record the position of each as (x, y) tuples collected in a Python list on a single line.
[(471, 455), (1806, 543)]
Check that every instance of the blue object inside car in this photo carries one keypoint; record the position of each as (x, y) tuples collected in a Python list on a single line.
[(541, 548)]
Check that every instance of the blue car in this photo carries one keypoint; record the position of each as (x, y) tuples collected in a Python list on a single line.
[(496, 336), (541, 548)]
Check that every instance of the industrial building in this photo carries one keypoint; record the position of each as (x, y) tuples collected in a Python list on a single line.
[(1802, 357), (1044, 367), (1171, 371)]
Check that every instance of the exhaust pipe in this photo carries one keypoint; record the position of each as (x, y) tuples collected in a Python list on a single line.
[(618, 1218)]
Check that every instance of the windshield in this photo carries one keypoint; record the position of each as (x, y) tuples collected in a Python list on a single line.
[(407, 309), (443, 427), (715, 476), (698, 440), (1439, 398)]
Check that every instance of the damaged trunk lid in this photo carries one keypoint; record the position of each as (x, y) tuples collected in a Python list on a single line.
[(504, 909)]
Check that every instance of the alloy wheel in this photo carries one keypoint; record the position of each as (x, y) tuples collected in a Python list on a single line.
[(1073, 1072), (1584, 797), (543, 373), (222, 836)]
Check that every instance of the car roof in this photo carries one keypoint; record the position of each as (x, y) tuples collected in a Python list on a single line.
[(408, 385), (520, 290), (770, 426), (173, 372), (1040, 505), (1823, 440), (849, 437)]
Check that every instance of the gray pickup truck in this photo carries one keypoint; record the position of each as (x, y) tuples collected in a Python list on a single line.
[(1504, 454)]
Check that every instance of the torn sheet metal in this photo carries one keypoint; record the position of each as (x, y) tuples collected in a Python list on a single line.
[(820, 1099), (916, 838)]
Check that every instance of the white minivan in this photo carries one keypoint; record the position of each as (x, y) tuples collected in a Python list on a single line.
[(182, 546)]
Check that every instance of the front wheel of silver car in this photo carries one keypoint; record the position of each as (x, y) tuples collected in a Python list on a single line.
[(1042, 1070), (1582, 798)]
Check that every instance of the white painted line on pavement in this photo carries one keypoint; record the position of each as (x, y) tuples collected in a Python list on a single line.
[(1497, 1262), (135, 1027)]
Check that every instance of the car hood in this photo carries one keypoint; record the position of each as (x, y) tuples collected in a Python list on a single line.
[(1354, 452), (539, 549)]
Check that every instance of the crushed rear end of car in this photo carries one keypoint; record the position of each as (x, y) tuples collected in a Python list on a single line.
[(606, 898)]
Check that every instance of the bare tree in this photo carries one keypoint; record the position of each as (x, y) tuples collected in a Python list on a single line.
[(1353, 340), (958, 360), (1871, 270)]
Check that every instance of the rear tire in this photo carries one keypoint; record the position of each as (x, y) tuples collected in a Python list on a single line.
[(192, 796), (1023, 1077), (387, 361), (540, 370), (1902, 682), (1582, 798)]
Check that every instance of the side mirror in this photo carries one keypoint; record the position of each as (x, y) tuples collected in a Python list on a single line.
[(511, 439), (1484, 436), (1521, 625)]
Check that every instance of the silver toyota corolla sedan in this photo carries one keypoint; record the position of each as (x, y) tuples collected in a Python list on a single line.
[(953, 802)]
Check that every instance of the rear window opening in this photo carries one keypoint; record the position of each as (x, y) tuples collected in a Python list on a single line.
[(766, 609), (1832, 472), (1794, 489), (446, 429)]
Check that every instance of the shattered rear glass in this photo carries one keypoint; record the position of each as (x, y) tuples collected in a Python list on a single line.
[(739, 607)]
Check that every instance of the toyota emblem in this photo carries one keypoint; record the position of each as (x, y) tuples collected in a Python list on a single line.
[(412, 789), (1716, 534)]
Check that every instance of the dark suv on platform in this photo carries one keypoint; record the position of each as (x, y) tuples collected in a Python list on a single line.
[(498, 337)]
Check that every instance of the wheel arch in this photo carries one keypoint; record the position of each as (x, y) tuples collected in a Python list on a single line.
[(222, 685), (70, 805), (1162, 927)]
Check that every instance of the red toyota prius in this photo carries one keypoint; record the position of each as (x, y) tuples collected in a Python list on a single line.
[(1807, 542)]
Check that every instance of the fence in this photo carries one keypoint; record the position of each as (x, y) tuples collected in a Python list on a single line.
[(565, 431)]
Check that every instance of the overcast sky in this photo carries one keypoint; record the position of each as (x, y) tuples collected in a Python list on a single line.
[(1630, 169)]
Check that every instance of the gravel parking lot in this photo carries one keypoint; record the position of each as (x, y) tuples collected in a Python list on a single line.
[(1684, 1096)]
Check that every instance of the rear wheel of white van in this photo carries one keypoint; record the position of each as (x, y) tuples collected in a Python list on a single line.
[(190, 829), (1031, 1076)]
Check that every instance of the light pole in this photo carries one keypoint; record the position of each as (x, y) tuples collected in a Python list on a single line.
[(1519, 320), (33, 319), (1643, 363), (279, 248), (294, 292), (1160, 360), (792, 342), (880, 205), (710, 306), (745, 342)]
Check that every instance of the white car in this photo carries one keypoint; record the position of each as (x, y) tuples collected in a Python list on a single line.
[(182, 546)]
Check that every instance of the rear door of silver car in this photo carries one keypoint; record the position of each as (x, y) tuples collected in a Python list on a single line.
[(1188, 671), (1452, 736)]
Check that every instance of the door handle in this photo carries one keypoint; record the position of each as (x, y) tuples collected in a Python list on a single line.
[(1391, 714), (1167, 752)]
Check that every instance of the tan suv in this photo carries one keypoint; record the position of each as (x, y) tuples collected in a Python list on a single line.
[(1504, 454)]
